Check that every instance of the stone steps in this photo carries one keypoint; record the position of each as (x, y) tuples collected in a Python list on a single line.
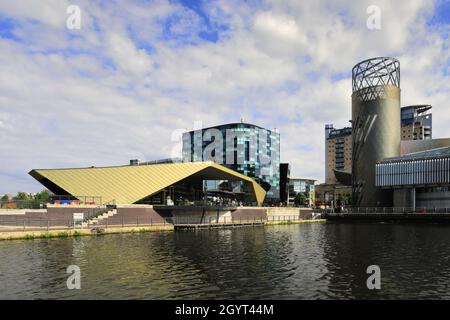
[(96, 220)]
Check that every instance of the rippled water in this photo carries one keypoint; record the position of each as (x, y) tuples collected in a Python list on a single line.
[(307, 261)]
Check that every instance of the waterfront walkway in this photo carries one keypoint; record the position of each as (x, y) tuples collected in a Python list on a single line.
[(62, 232)]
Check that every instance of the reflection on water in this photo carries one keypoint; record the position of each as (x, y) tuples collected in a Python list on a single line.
[(311, 261)]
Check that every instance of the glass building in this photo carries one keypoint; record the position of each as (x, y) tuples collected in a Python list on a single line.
[(245, 148), (305, 186)]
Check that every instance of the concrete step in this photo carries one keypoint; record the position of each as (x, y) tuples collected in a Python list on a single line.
[(95, 220)]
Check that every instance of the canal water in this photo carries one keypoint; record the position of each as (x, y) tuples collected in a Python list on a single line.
[(307, 261)]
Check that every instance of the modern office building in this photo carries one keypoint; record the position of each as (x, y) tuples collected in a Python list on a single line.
[(417, 122), (375, 126), (338, 152), (246, 148), (305, 186), (338, 164), (417, 180)]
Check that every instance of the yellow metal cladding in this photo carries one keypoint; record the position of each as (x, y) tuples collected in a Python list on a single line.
[(129, 184)]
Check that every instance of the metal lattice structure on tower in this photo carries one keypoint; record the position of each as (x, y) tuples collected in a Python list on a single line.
[(370, 76)]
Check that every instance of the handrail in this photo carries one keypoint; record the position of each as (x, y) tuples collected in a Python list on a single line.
[(384, 210), (99, 210), (83, 198), (22, 223)]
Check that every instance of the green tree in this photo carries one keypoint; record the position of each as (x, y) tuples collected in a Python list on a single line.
[(300, 199), (347, 198), (22, 196), (5, 198), (42, 196)]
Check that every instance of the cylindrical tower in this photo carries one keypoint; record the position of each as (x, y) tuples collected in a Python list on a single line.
[(376, 126)]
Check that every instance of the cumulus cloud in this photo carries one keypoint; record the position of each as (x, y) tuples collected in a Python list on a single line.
[(137, 71)]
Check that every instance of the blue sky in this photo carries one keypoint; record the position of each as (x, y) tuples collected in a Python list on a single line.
[(138, 73)]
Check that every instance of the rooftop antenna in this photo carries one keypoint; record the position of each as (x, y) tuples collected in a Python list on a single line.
[(242, 119)]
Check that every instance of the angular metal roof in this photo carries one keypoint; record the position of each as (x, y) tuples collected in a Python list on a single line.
[(129, 184)]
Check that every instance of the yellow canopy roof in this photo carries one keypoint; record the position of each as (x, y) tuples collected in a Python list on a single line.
[(129, 184)]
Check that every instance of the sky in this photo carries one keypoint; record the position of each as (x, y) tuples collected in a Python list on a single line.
[(138, 73)]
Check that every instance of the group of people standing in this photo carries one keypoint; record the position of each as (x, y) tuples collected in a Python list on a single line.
[(224, 201)]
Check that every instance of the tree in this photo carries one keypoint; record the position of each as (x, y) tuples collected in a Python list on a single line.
[(347, 199), (300, 199), (22, 196), (44, 195), (5, 198)]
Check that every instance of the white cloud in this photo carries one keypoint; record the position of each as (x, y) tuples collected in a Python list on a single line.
[(127, 56), (279, 34)]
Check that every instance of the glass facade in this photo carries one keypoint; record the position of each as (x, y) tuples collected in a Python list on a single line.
[(305, 186), (245, 148)]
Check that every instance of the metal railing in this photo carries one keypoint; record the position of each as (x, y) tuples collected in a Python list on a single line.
[(384, 210), (97, 200), (13, 223), (202, 203), (93, 213)]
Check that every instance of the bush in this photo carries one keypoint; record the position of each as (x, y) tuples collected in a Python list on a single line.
[(62, 235)]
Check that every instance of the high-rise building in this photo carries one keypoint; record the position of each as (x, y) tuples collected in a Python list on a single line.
[(338, 152), (375, 126), (417, 122), (243, 147)]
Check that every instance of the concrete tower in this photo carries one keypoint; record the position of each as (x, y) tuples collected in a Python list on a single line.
[(376, 126)]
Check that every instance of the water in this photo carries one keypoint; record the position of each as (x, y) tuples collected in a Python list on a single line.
[(308, 261)]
